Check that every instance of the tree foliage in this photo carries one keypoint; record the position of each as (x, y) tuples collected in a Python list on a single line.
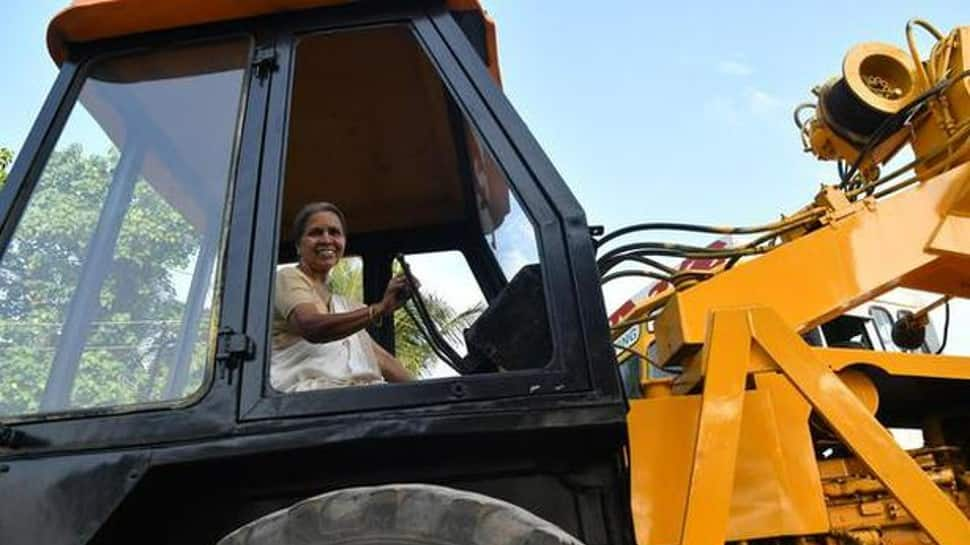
[(410, 346), (131, 343), (131, 340), (6, 157)]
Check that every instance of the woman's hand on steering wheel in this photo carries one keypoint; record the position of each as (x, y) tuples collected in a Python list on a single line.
[(396, 294)]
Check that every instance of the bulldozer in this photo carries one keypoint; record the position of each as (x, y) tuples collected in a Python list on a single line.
[(148, 212)]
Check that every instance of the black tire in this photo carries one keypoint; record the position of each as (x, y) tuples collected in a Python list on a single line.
[(400, 514)]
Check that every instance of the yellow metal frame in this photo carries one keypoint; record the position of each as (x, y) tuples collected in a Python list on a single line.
[(816, 277), (731, 340)]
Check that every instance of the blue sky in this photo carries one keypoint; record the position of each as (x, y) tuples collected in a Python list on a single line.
[(674, 112), (650, 111)]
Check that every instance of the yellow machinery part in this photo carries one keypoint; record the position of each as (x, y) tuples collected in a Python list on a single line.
[(952, 110), (814, 278), (776, 486)]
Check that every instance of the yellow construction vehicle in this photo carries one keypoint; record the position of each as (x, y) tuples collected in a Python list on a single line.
[(779, 439), (148, 214)]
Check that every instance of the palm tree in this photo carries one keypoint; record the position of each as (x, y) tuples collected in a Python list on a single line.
[(410, 346)]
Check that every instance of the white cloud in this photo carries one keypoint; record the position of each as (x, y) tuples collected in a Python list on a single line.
[(746, 104), (762, 103), (734, 68)]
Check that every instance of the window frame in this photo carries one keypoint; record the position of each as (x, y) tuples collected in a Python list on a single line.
[(210, 410), (887, 344), (561, 235), (125, 165)]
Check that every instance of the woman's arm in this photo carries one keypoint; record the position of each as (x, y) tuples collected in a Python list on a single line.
[(392, 369), (318, 327)]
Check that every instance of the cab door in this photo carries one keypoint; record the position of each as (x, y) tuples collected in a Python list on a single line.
[(395, 119)]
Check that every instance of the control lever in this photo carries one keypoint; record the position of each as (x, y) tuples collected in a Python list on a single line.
[(425, 324)]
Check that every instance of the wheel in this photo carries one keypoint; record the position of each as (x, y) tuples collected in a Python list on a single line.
[(400, 514)]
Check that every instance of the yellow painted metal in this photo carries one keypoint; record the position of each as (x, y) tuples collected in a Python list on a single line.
[(898, 363), (869, 440), (767, 449), (661, 435), (765, 457), (950, 57), (776, 487), (718, 431), (862, 388), (818, 276), (886, 63), (781, 447), (745, 322)]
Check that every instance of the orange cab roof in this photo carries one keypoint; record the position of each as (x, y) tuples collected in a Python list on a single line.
[(88, 20)]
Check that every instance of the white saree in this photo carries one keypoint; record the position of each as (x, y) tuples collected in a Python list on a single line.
[(304, 366)]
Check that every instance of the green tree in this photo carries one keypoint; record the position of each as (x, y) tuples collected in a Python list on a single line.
[(411, 347), (131, 343), (131, 347), (6, 157)]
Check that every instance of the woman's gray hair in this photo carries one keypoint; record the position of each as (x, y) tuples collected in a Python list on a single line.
[(307, 212)]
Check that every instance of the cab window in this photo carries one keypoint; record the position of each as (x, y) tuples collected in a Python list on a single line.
[(847, 331), (107, 281), (884, 327), (453, 300), (373, 130)]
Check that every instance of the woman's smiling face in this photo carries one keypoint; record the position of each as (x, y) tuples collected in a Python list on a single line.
[(322, 243)]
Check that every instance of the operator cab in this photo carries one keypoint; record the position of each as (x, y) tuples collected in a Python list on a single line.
[(171, 176), (149, 211)]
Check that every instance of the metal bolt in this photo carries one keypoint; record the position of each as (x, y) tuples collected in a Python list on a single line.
[(458, 390)]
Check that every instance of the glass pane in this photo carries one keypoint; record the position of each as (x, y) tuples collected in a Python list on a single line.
[(106, 288), (847, 332), (508, 232), (630, 375), (453, 300), (656, 373), (410, 174)]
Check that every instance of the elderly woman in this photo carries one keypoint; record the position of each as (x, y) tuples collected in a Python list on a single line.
[(319, 339)]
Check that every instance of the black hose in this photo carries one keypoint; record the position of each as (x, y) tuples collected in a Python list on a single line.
[(606, 265), (640, 274), (640, 355), (798, 109), (652, 263), (695, 228), (427, 337), (438, 343)]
